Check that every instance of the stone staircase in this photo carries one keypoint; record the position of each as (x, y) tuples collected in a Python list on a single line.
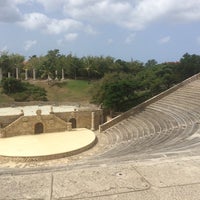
[(170, 125)]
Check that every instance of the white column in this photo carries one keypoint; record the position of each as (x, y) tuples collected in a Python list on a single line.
[(17, 73), (63, 75), (56, 72), (49, 78), (93, 121), (26, 74), (34, 75), (1, 75), (8, 74)]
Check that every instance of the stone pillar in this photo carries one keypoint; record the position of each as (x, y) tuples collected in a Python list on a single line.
[(49, 78), (1, 74), (56, 72), (8, 74), (2, 133), (93, 121), (26, 74), (22, 112), (51, 110), (63, 75), (17, 73), (69, 126), (39, 112), (34, 74)]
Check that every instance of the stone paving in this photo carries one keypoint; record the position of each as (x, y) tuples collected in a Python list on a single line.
[(155, 179)]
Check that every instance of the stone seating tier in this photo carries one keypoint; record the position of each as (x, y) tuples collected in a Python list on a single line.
[(168, 125)]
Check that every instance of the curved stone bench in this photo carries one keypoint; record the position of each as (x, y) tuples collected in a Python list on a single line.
[(164, 125)]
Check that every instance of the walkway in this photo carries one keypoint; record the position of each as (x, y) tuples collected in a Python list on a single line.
[(162, 179)]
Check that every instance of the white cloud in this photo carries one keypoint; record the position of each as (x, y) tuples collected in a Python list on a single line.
[(97, 11), (71, 36), (86, 14), (164, 40), (130, 38), (21, 1), (186, 11), (58, 26), (90, 30), (135, 15), (9, 12), (51, 5), (34, 21), (29, 44)]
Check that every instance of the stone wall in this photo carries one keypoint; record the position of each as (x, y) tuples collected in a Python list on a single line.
[(54, 122), (25, 125), (6, 120), (142, 106), (83, 118)]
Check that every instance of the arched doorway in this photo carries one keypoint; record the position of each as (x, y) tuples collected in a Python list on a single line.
[(73, 121), (39, 128)]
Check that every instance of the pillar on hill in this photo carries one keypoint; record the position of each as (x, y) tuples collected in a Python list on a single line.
[(56, 72), (1, 74), (26, 74), (17, 73), (8, 74), (63, 75), (34, 74)]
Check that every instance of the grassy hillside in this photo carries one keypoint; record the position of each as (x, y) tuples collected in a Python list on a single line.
[(67, 91), (4, 99)]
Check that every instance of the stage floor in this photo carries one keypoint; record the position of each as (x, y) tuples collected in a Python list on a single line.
[(47, 145)]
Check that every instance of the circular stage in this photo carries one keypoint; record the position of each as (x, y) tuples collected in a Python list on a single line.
[(47, 145)]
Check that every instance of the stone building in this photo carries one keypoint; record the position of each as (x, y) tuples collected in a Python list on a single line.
[(15, 125)]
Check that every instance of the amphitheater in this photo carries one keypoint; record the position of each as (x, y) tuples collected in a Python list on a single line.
[(151, 152)]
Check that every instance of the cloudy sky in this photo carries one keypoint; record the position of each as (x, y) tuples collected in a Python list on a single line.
[(127, 29)]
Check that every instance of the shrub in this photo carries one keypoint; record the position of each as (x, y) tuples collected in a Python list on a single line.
[(23, 91), (12, 85)]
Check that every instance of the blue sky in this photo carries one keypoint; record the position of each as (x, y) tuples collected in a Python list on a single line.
[(127, 29)]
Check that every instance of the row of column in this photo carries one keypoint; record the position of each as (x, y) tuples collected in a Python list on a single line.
[(26, 74)]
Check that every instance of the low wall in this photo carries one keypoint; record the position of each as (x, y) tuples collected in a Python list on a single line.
[(6, 120), (55, 122), (25, 125), (83, 118), (141, 106)]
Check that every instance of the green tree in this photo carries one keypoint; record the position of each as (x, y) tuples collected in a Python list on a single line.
[(116, 92), (5, 63), (23, 91), (51, 63), (11, 85), (151, 63), (9, 62), (189, 65)]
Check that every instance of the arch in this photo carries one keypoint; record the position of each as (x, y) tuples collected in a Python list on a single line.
[(73, 121), (39, 128)]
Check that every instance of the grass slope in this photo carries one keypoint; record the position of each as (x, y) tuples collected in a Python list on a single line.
[(4, 99), (67, 91)]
